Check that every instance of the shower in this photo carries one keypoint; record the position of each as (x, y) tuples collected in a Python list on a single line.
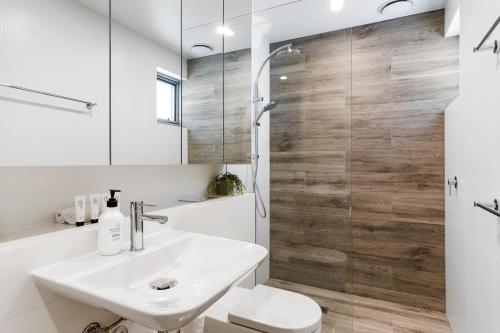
[(285, 51)]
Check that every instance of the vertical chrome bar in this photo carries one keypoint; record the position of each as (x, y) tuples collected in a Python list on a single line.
[(136, 226)]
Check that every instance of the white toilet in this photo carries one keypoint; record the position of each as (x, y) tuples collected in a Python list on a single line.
[(263, 309)]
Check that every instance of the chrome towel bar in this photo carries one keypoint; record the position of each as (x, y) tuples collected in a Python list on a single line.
[(495, 47), (89, 105), (491, 208)]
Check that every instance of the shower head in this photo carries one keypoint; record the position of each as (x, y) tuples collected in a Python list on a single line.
[(286, 51), (289, 52), (268, 107)]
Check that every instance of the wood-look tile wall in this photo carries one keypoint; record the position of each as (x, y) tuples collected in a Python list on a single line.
[(310, 163), (216, 107), (383, 149)]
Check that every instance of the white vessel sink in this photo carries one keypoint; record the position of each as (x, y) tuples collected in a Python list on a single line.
[(199, 269)]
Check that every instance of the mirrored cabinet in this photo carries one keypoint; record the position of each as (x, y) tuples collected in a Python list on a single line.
[(146, 75), (237, 82), (203, 87), (125, 82), (54, 83)]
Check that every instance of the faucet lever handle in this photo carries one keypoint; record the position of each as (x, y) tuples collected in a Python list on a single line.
[(147, 205)]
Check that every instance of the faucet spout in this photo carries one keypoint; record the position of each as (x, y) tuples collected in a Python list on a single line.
[(137, 218), (155, 218)]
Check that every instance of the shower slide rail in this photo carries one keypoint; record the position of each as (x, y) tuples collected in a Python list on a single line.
[(90, 105), (495, 47), (491, 208)]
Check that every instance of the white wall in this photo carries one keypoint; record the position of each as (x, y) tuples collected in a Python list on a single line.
[(260, 51), (472, 154), (69, 56), (24, 307)]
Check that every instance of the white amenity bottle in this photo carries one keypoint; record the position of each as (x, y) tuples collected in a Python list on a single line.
[(109, 237)]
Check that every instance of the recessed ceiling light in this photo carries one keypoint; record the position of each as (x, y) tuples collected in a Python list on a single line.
[(284, 77), (396, 7), (226, 31), (336, 5)]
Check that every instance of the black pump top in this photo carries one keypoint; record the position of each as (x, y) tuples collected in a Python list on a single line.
[(112, 202)]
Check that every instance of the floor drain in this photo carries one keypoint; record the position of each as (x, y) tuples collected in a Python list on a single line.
[(324, 310), (163, 284)]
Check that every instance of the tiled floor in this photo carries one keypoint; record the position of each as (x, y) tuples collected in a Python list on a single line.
[(354, 314)]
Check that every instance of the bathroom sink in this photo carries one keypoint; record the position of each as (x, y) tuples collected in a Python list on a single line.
[(177, 277)]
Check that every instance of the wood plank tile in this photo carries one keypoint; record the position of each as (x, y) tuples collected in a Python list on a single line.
[(377, 146), (355, 314)]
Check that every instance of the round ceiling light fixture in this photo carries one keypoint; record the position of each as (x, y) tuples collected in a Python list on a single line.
[(201, 50), (396, 8)]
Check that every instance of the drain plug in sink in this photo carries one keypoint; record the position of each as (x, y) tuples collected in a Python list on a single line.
[(163, 284)]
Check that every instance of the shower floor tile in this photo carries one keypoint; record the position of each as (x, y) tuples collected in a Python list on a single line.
[(345, 313)]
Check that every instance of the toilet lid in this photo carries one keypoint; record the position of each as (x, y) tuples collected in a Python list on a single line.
[(274, 310)]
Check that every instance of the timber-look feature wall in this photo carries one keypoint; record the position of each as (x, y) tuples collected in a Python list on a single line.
[(361, 120), (216, 104)]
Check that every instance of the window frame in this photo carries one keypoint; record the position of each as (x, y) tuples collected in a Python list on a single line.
[(177, 87)]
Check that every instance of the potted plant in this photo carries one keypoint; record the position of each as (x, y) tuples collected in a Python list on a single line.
[(225, 184)]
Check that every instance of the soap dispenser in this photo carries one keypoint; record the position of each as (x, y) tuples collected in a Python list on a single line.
[(109, 238)]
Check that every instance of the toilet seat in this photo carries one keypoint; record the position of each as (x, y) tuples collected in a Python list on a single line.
[(264, 309)]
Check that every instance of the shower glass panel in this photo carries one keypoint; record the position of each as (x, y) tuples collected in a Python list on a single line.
[(310, 152)]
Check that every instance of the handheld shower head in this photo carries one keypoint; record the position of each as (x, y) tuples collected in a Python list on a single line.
[(268, 107)]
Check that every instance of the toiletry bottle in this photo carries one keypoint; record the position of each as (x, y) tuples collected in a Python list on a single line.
[(109, 238), (94, 200), (80, 210)]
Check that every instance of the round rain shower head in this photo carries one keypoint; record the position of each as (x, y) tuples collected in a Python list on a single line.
[(289, 52), (396, 7)]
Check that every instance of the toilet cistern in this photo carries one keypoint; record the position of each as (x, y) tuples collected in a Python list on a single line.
[(137, 218)]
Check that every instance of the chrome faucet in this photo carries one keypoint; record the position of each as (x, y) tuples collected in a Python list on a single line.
[(137, 218)]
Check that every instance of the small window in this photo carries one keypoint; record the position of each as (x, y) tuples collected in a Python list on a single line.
[(167, 99)]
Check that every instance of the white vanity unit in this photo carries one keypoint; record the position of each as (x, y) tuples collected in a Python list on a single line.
[(206, 247)]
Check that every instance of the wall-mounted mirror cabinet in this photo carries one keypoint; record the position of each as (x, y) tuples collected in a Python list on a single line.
[(146, 76), (217, 90), (203, 89), (54, 83), (238, 82), (125, 82)]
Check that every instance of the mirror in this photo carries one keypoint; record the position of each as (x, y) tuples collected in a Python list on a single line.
[(217, 89), (54, 86), (111, 84), (203, 90), (146, 75), (238, 82)]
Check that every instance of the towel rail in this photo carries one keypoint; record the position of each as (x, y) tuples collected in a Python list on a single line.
[(495, 46), (89, 105), (491, 208)]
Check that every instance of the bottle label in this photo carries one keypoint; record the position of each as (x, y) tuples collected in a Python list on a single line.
[(115, 233)]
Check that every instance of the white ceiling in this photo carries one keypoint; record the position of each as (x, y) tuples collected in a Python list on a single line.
[(309, 17), (159, 20)]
